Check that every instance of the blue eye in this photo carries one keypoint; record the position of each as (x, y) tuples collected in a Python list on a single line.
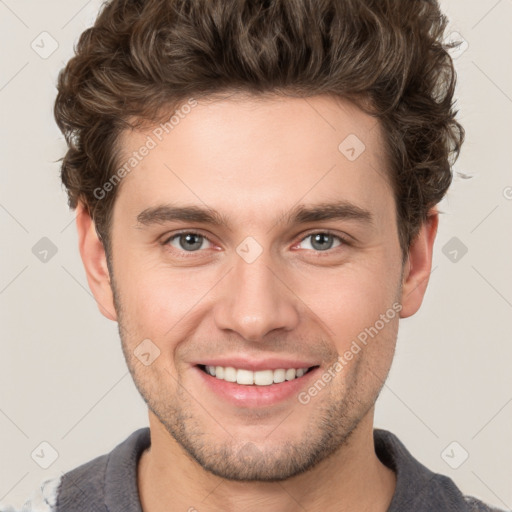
[(323, 241), (190, 242)]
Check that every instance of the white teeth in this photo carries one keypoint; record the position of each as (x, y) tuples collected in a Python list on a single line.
[(279, 376), (290, 374), (245, 377), (263, 377), (230, 374), (259, 378)]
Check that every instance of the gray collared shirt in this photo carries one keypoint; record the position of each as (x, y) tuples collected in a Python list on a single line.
[(109, 483)]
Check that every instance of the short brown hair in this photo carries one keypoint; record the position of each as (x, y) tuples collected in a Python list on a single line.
[(142, 58)]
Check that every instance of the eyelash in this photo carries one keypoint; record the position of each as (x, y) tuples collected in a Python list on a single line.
[(344, 241)]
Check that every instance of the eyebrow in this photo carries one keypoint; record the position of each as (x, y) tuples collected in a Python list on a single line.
[(300, 214)]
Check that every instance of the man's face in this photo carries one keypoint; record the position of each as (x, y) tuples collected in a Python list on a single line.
[(264, 289)]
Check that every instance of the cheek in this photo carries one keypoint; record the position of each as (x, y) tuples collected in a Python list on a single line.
[(349, 299), (157, 302)]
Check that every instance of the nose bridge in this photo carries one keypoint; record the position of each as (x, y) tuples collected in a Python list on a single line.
[(254, 301)]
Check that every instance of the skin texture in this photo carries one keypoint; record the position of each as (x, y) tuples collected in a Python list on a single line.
[(254, 160)]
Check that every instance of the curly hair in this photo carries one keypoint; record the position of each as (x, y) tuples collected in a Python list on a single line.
[(142, 58)]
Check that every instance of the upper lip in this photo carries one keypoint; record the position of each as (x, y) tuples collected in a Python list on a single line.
[(269, 363)]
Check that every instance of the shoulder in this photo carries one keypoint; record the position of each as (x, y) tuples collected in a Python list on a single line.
[(91, 487), (71, 489), (43, 499), (475, 505), (417, 487)]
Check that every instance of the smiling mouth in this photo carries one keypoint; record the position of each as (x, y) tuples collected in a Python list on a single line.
[(258, 378)]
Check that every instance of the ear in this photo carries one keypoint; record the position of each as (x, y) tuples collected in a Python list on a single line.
[(418, 266), (95, 262)]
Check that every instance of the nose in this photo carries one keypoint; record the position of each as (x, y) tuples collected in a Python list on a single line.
[(255, 301)]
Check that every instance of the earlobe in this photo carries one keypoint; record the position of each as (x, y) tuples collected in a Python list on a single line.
[(418, 266), (95, 262)]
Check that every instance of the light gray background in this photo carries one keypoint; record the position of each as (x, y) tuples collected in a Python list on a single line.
[(63, 376)]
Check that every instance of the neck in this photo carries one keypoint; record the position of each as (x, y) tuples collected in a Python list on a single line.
[(351, 479)]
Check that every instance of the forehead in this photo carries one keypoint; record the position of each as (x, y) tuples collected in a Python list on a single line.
[(257, 154)]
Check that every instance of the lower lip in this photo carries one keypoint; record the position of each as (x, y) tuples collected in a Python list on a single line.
[(256, 396)]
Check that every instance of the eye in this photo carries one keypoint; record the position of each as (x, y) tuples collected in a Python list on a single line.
[(188, 241), (322, 241)]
